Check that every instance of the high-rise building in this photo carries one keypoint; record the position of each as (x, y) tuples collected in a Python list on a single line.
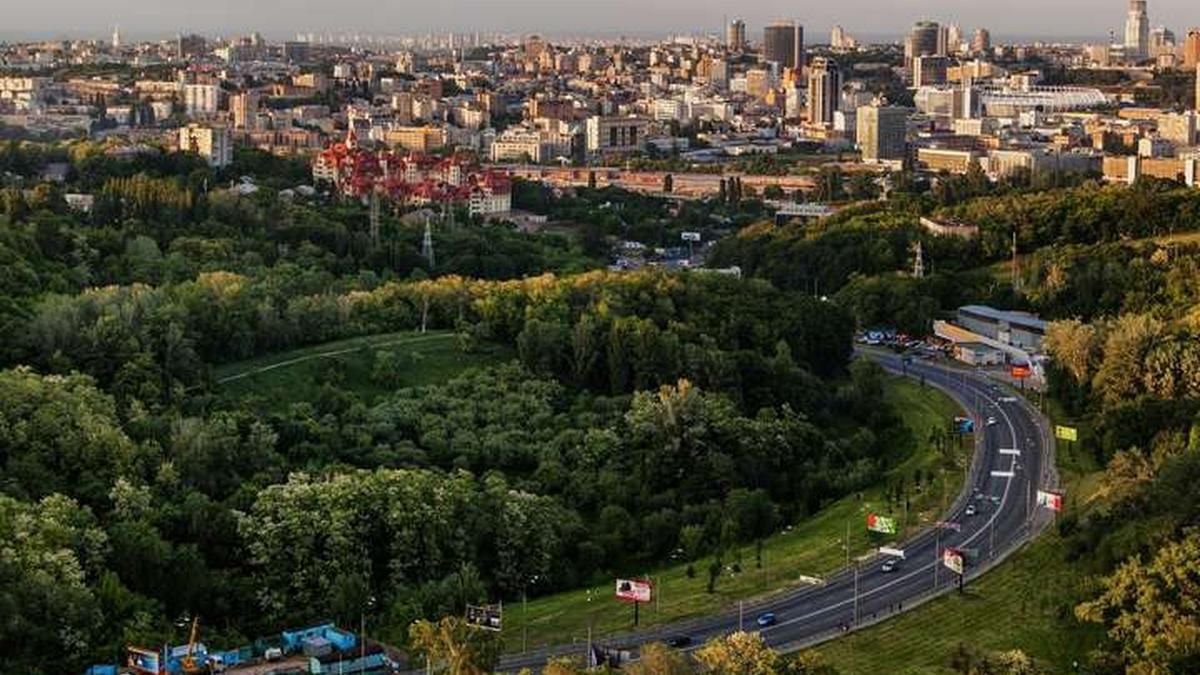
[(1162, 41), (982, 41), (116, 37), (837, 37), (1191, 48), (882, 133), (201, 99), (783, 43), (930, 70), (922, 40), (735, 35), (1137, 31), (1197, 88), (824, 91), (954, 40), (211, 143), (244, 107)]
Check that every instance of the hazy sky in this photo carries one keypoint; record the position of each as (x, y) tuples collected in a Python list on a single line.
[(143, 18)]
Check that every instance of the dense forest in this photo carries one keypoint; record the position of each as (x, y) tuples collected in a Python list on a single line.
[(646, 415)]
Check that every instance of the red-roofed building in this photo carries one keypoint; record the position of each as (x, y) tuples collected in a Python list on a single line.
[(414, 178)]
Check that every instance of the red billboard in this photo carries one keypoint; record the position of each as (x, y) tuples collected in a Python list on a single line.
[(630, 590), (1021, 371)]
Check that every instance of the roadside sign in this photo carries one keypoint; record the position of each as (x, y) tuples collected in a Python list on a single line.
[(1050, 500), (1010, 451), (629, 590), (1003, 474), (881, 524), (690, 236), (487, 617), (894, 552), (1021, 371), (953, 560), (1066, 433)]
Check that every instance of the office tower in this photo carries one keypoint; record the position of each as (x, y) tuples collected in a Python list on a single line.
[(1197, 106), (837, 37), (1191, 48), (930, 70), (735, 35), (783, 43), (954, 40), (882, 132), (116, 37), (922, 41), (1162, 41), (982, 42), (824, 91), (1137, 31), (719, 75)]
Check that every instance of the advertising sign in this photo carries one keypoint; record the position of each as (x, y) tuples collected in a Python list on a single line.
[(143, 660), (629, 590), (953, 560), (1050, 500), (488, 617), (1066, 433), (881, 524), (690, 236), (1020, 371)]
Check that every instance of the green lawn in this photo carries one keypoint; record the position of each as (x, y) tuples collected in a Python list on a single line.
[(1026, 603), (279, 380), (814, 547)]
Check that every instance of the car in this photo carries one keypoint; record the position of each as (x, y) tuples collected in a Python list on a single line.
[(766, 620), (1008, 399), (273, 654), (970, 510), (679, 641), (889, 566), (991, 421)]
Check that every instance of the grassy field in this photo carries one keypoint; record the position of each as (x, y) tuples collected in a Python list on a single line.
[(814, 547), (279, 380), (1025, 604)]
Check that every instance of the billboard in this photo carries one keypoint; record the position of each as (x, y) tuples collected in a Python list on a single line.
[(881, 524), (690, 236), (487, 617), (953, 560), (1050, 500), (1020, 371), (630, 590), (143, 660), (1066, 433)]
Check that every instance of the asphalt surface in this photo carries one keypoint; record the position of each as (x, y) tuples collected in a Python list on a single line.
[(1017, 443)]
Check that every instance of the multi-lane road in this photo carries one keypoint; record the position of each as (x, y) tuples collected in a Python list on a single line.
[(995, 514)]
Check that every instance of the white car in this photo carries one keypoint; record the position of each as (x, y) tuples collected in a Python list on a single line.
[(888, 566), (991, 421), (970, 510)]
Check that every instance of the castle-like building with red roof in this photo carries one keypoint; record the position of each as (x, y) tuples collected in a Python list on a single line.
[(413, 178)]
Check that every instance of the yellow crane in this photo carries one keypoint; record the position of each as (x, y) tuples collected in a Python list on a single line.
[(189, 660)]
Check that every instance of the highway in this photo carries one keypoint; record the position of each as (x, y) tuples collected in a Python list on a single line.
[(1013, 459)]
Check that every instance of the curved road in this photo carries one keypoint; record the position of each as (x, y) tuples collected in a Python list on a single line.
[(1013, 459)]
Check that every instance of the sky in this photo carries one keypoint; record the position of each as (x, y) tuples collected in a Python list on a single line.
[(142, 19)]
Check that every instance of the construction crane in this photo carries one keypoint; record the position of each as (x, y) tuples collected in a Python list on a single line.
[(189, 662)]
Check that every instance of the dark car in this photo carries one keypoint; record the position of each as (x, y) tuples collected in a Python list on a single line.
[(679, 641), (766, 620)]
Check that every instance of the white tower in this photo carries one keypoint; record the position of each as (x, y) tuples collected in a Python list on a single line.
[(1137, 31), (116, 37)]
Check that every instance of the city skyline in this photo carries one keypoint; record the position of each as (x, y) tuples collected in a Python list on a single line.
[(1068, 19)]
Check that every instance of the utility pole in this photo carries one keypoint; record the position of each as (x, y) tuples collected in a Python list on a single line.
[(937, 556), (855, 594)]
